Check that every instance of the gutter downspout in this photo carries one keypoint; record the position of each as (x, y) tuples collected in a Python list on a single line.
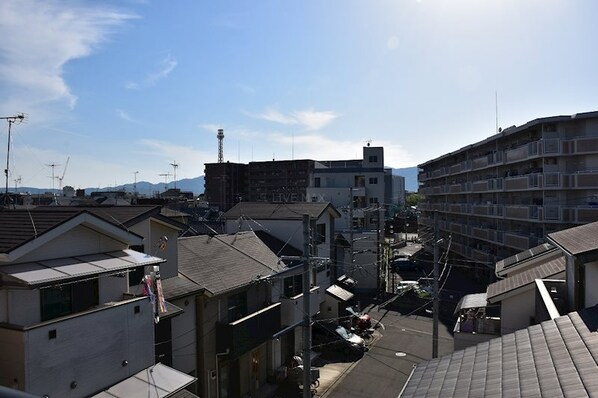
[(218, 371)]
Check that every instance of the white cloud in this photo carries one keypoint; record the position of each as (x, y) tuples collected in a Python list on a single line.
[(164, 68), (191, 161), (125, 116), (39, 38), (310, 119)]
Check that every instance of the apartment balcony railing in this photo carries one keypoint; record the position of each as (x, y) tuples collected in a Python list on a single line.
[(247, 333), (88, 347), (292, 308), (519, 241)]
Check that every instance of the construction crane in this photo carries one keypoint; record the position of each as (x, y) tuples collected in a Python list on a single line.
[(63, 173)]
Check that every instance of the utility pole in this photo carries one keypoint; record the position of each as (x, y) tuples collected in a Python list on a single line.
[(18, 118), (435, 299), (306, 311), (135, 183), (174, 166)]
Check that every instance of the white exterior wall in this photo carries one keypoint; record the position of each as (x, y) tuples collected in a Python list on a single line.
[(516, 311), (23, 307), (111, 288), (591, 282), (78, 241), (152, 231), (184, 342)]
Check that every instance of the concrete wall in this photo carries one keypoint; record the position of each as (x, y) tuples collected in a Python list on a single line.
[(591, 282), (87, 349), (152, 231), (184, 341), (517, 311)]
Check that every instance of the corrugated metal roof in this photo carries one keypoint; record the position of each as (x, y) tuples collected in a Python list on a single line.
[(556, 358), (541, 271), (339, 293), (476, 300)]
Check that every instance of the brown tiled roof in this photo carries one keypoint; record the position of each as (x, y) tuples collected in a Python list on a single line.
[(557, 358), (278, 211), (577, 240), (18, 227), (224, 262), (541, 271)]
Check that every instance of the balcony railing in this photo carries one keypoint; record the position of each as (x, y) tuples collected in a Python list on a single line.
[(245, 334), (292, 308)]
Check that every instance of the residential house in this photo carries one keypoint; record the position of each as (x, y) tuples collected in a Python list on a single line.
[(70, 325), (236, 316), (558, 356)]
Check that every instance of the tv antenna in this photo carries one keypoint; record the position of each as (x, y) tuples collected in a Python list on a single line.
[(63, 173), (18, 119), (53, 166), (174, 166), (165, 175)]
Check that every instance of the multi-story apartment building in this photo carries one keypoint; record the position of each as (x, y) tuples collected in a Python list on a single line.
[(504, 194), (226, 184), (280, 180)]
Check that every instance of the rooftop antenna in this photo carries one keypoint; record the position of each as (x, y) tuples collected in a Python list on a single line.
[(18, 118), (17, 181), (174, 166), (220, 145), (165, 175), (53, 165), (63, 173)]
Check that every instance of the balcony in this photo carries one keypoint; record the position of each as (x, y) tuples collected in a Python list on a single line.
[(523, 212), (245, 334), (88, 347), (519, 241), (292, 308)]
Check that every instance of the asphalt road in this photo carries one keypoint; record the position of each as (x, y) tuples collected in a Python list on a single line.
[(385, 368)]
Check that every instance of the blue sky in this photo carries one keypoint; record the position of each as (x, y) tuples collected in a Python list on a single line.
[(119, 87)]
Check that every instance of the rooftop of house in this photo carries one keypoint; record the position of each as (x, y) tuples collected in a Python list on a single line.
[(577, 240), (496, 290), (280, 211), (511, 262), (556, 358), (221, 263)]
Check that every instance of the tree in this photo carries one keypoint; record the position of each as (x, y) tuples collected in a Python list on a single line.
[(413, 199)]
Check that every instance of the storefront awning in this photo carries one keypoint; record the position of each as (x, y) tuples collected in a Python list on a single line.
[(157, 381), (47, 272)]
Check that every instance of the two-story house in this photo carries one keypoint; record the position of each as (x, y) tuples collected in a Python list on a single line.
[(70, 324)]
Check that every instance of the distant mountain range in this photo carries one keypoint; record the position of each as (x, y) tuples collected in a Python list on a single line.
[(196, 185)]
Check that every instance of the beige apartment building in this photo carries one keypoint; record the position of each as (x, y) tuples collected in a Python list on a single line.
[(504, 194)]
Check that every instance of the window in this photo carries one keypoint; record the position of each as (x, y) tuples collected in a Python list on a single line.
[(373, 180), (373, 201), (293, 285), (373, 159), (317, 182), (320, 234), (136, 275), (237, 306), (68, 299)]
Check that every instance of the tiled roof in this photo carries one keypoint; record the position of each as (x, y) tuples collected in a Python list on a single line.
[(524, 255), (541, 271), (120, 215), (577, 240), (278, 211), (18, 227), (179, 286), (556, 358), (224, 262), (278, 246)]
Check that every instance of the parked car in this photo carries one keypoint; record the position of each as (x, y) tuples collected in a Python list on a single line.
[(404, 264), (329, 336)]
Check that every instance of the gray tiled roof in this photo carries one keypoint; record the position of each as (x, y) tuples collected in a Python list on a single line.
[(179, 286), (18, 227), (577, 240), (541, 271), (279, 211), (224, 262), (556, 358), (524, 255)]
